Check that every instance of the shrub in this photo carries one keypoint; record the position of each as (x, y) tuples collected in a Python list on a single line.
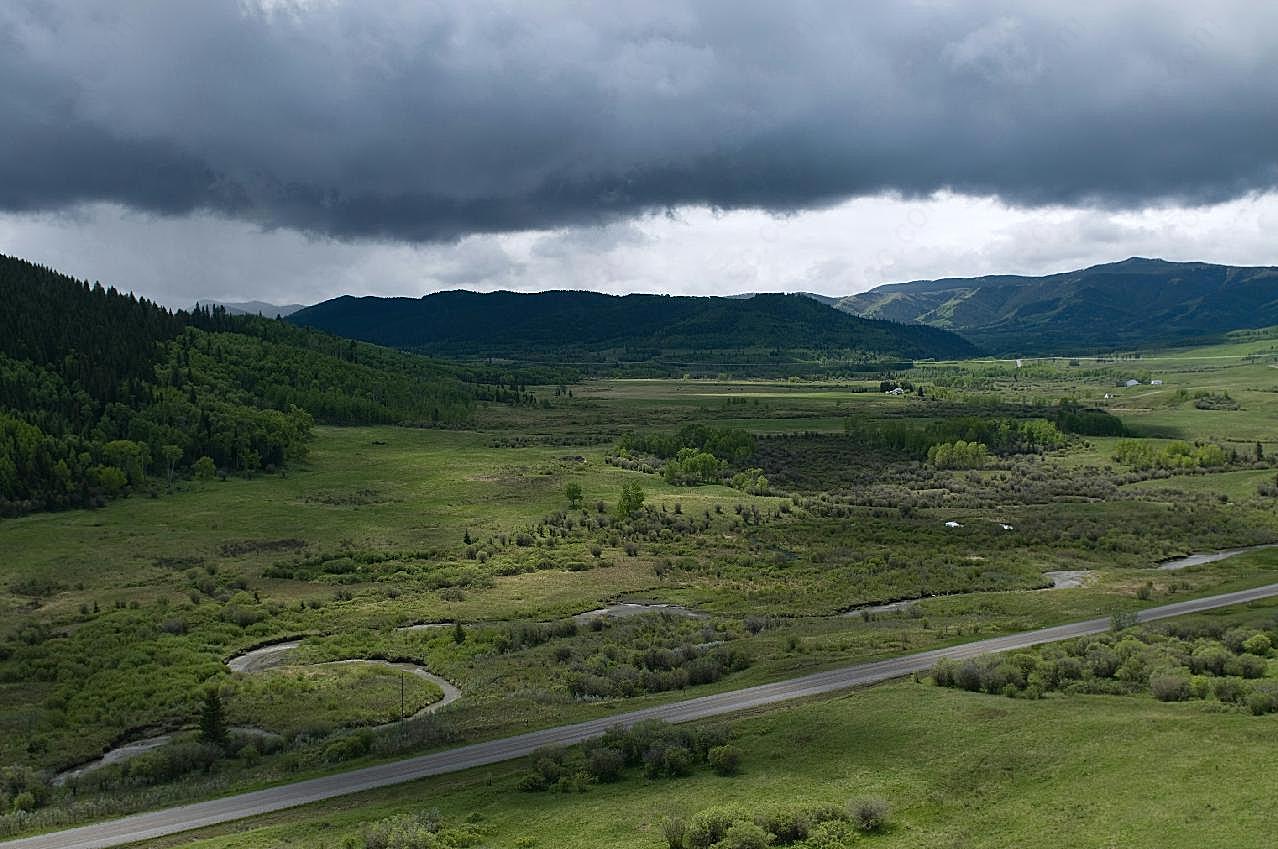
[(945, 672), (349, 747), (405, 831), (1247, 666), (204, 468), (605, 764), (1229, 690), (669, 760), (968, 676), (24, 802), (675, 832), (1258, 644), (1212, 659), (711, 825), (170, 762), (22, 788), (1262, 701), (725, 760), (793, 824), (869, 815), (835, 834), (743, 835), (1169, 688)]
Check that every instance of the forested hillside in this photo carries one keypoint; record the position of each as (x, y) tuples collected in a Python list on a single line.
[(1117, 306), (102, 393), (589, 326)]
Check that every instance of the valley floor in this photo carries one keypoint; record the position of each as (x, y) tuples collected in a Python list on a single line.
[(120, 621)]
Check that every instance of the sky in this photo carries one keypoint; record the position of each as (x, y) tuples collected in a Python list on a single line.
[(295, 150)]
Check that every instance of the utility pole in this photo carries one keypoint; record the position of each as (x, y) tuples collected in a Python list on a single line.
[(401, 695)]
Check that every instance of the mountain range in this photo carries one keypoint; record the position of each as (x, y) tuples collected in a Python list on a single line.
[(589, 326), (261, 308), (1136, 303)]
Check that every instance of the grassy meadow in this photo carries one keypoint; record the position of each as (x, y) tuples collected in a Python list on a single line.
[(119, 620), (957, 769)]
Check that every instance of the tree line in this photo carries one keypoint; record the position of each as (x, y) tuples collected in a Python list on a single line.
[(102, 392)]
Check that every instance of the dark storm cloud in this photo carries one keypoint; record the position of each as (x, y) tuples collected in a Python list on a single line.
[(429, 121)]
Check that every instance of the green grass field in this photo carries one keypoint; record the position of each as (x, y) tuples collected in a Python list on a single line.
[(117, 619), (958, 769), (294, 698)]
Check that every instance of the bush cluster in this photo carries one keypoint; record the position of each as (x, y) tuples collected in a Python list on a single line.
[(811, 826), (657, 748), (652, 654), (417, 831), (1171, 662), (1177, 454)]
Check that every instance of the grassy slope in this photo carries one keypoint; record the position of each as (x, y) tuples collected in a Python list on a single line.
[(1115, 306), (961, 770)]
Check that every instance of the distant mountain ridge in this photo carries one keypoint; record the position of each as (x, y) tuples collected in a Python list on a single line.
[(556, 324), (261, 308), (1134, 303)]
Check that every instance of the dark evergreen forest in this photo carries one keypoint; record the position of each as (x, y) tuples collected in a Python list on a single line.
[(103, 393)]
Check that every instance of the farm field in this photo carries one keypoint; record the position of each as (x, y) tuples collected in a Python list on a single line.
[(825, 528)]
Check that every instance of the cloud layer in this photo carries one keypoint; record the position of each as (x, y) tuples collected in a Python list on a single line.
[(836, 250), (425, 123)]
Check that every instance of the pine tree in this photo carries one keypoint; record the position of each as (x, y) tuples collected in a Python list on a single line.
[(213, 719)]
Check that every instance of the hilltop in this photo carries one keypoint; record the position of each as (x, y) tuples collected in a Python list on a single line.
[(589, 326), (1122, 305)]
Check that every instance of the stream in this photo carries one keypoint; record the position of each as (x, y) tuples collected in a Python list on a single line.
[(1200, 559), (277, 654), (259, 660)]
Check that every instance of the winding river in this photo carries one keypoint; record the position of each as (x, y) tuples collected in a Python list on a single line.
[(1200, 559), (277, 654), (259, 660)]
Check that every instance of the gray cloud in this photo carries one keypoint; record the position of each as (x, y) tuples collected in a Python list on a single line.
[(426, 122)]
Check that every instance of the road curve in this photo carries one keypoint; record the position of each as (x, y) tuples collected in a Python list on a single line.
[(152, 824)]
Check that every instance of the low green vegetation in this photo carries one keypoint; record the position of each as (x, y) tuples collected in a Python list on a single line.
[(1177, 454), (1200, 659), (917, 440), (757, 514), (313, 700), (899, 765), (657, 749)]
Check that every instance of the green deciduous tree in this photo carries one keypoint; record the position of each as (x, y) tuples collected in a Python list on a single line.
[(631, 501)]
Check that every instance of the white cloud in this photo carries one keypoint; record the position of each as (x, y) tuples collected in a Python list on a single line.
[(837, 250)]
